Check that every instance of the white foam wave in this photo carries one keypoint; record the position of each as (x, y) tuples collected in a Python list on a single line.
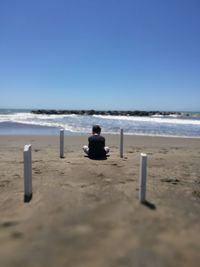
[(38, 118), (150, 119), (30, 116), (133, 125), (54, 121), (50, 124)]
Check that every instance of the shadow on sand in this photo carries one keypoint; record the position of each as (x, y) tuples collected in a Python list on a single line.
[(149, 205), (27, 199), (102, 158)]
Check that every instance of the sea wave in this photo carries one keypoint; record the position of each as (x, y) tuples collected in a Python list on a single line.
[(54, 121), (153, 126), (26, 116), (152, 119)]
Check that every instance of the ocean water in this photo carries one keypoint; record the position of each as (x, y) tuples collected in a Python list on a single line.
[(23, 122)]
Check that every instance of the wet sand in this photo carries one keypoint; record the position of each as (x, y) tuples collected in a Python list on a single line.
[(86, 213)]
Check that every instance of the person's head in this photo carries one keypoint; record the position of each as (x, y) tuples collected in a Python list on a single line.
[(96, 129)]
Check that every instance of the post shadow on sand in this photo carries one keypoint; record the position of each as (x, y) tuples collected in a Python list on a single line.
[(27, 199), (149, 205)]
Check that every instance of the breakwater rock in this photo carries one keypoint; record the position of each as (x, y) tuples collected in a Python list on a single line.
[(103, 112)]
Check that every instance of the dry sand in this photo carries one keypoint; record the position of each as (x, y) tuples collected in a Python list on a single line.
[(85, 213)]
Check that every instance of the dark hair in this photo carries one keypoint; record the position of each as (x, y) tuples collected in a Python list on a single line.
[(96, 129)]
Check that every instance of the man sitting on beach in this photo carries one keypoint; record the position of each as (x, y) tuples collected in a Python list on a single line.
[(96, 148)]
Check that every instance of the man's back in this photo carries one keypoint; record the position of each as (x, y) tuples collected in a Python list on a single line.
[(96, 146)]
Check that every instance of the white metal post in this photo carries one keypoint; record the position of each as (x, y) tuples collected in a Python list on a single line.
[(27, 173), (142, 177), (121, 142), (62, 143)]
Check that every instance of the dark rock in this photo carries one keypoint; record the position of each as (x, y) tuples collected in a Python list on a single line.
[(91, 112)]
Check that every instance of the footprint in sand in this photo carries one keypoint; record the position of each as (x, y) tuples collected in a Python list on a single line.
[(117, 165), (100, 175), (3, 183), (8, 224), (196, 193), (130, 180), (170, 180), (83, 185), (17, 235), (87, 185), (37, 171), (163, 151)]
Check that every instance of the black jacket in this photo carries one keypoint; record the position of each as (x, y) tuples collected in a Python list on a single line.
[(96, 146)]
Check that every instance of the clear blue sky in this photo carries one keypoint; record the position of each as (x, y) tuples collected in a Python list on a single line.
[(100, 54)]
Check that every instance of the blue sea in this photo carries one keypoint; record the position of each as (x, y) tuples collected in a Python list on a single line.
[(23, 122)]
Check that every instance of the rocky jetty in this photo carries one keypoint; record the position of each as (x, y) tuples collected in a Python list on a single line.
[(103, 112)]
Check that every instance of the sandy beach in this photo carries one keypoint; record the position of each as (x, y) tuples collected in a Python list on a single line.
[(86, 213)]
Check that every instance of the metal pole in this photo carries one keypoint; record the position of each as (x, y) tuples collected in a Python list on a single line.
[(27, 173), (142, 178), (121, 142), (62, 143)]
